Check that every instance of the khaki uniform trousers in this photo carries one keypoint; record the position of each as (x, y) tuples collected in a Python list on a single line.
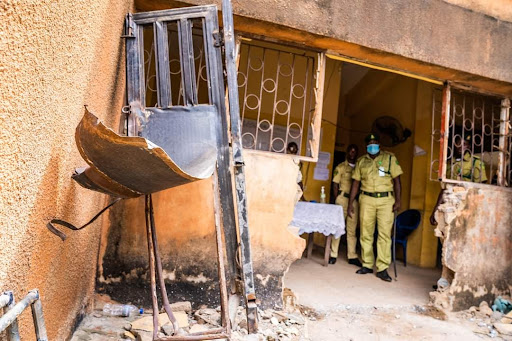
[(376, 210), (350, 226)]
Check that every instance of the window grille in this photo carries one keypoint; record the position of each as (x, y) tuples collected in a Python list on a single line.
[(172, 73), (280, 92), (472, 132)]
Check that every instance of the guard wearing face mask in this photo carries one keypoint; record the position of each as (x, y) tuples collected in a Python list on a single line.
[(378, 175)]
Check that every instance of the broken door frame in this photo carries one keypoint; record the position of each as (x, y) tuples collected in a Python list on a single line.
[(223, 187)]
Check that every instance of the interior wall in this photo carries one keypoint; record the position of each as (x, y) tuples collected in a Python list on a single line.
[(312, 186), (410, 101), (385, 94), (422, 244), (55, 57)]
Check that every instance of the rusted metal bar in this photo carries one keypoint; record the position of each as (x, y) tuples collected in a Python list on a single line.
[(37, 315), (9, 317), (241, 199), (163, 290), (209, 331), (503, 141), (220, 258), (151, 259), (187, 62), (225, 179), (445, 117), (162, 64), (5, 299), (194, 337), (13, 330)]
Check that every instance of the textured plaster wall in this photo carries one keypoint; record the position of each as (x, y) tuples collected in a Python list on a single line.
[(500, 9), (55, 56), (433, 38), (185, 229), (474, 224)]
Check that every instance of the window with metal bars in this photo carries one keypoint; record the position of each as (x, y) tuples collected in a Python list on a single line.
[(471, 130), (280, 95)]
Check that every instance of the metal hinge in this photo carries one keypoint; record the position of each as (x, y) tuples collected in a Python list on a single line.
[(129, 27), (218, 38)]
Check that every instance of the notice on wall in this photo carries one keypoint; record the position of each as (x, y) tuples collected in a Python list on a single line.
[(321, 172)]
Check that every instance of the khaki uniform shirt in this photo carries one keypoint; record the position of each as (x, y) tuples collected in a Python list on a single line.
[(471, 169), (376, 175), (343, 176)]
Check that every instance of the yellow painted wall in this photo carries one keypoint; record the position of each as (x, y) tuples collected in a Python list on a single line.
[(313, 187), (410, 101), (422, 244), (385, 94)]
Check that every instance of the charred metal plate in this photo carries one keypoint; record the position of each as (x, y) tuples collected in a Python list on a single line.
[(180, 147)]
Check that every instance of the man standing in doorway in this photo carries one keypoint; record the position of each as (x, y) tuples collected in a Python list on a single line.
[(378, 175), (342, 182)]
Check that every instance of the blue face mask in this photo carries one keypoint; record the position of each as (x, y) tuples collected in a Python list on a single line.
[(372, 149)]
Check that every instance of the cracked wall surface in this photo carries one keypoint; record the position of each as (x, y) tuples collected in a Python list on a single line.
[(185, 229), (55, 56), (474, 224)]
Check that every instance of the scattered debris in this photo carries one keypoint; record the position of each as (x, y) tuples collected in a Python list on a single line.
[(146, 323), (485, 309), (507, 318), (504, 328), (431, 311), (208, 316)]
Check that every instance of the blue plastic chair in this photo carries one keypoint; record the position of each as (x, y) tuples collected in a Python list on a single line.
[(406, 222)]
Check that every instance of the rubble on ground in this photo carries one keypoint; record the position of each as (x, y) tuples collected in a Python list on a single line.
[(486, 321), (274, 325)]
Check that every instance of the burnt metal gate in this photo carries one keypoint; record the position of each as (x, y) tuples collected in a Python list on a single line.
[(177, 130), (174, 68)]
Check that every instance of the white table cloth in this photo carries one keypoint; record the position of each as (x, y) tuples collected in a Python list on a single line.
[(312, 217)]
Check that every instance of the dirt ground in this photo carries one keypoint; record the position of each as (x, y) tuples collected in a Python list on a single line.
[(328, 303), (363, 307)]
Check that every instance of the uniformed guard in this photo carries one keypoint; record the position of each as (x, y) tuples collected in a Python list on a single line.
[(378, 175), (342, 182), (465, 167)]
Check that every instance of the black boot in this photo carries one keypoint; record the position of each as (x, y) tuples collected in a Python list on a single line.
[(355, 261), (364, 271), (332, 260), (384, 275)]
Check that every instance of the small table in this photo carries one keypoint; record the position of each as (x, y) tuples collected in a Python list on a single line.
[(322, 218)]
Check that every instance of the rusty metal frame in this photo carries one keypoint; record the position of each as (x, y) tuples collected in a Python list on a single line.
[(445, 119), (223, 187), (311, 97), (231, 57), (10, 319), (504, 137)]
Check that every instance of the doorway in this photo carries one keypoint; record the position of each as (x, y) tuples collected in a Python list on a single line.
[(398, 108)]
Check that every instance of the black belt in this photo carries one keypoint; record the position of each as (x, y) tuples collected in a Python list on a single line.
[(347, 195), (376, 194)]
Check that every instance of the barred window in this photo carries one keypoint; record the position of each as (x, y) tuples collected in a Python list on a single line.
[(280, 91), (472, 131)]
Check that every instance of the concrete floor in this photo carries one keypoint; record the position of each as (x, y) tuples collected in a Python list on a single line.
[(328, 288), (363, 307)]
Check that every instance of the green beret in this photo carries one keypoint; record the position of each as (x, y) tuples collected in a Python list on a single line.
[(371, 136)]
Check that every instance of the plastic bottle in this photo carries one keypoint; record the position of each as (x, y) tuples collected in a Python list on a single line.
[(322, 195), (121, 310)]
